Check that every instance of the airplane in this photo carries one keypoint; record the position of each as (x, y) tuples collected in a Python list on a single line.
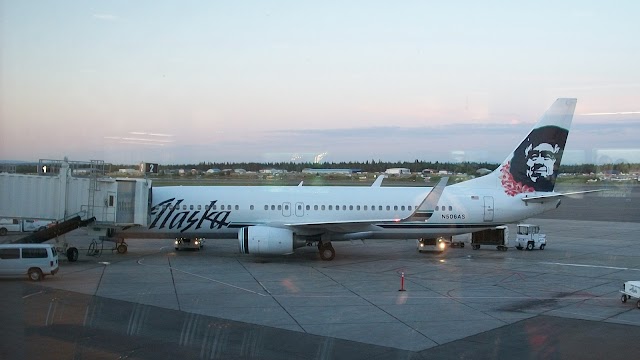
[(276, 220)]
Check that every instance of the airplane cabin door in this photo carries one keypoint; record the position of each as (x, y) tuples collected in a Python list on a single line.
[(299, 209), (286, 209), (488, 208)]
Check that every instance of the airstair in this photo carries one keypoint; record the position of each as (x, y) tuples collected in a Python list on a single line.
[(73, 195)]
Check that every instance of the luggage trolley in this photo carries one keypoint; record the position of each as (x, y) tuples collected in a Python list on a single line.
[(631, 289)]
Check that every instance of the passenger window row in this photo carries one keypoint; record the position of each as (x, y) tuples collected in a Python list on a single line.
[(315, 207)]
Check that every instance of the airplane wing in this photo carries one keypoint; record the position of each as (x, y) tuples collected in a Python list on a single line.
[(428, 205), (552, 196)]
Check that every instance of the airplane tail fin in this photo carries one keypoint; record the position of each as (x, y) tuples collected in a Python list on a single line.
[(533, 165)]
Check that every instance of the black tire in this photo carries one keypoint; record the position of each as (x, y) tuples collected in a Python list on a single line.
[(3, 231), (35, 274), (542, 247), (475, 247), (327, 253), (519, 247), (638, 304), (623, 298), (121, 248), (72, 254), (530, 246), (41, 228)]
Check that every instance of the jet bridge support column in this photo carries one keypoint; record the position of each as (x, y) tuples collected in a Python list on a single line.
[(61, 241)]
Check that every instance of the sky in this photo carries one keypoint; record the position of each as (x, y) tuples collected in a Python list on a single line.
[(176, 82)]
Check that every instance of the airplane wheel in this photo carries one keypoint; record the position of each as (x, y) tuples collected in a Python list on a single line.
[(72, 254), (327, 253), (122, 248), (623, 298)]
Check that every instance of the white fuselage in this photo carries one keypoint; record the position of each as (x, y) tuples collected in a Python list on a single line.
[(366, 212)]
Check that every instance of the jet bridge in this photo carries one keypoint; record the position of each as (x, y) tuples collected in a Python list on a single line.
[(99, 202)]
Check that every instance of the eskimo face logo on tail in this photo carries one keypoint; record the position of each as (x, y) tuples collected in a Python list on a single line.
[(534, 165)]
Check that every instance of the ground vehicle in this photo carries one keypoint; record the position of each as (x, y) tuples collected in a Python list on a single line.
[(17, 225), (438, 244), (188, 243), (631, 289), (529, 237), (498, 237), (33, 260)]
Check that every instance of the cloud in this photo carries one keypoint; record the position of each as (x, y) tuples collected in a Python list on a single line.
[(613, 113), (106, 17)]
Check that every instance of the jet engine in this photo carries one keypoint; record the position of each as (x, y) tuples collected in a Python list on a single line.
[(263, 240)]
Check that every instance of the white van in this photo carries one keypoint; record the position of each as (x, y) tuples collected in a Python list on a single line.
[(33, 260)]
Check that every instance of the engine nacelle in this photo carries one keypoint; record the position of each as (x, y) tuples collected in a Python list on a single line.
[(261, 240)]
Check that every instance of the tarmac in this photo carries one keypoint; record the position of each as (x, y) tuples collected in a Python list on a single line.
[(158, 303)]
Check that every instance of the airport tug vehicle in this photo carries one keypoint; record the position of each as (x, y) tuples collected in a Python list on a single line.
[(529, 237), (189, 243), (631, 289)]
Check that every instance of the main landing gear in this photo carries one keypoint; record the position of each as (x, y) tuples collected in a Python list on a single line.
[(326, 250)]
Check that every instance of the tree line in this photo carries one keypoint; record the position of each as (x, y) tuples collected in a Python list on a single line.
[(371, 166)]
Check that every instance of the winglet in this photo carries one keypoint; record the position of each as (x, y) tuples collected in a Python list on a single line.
[(428, 205), (378, 181)]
